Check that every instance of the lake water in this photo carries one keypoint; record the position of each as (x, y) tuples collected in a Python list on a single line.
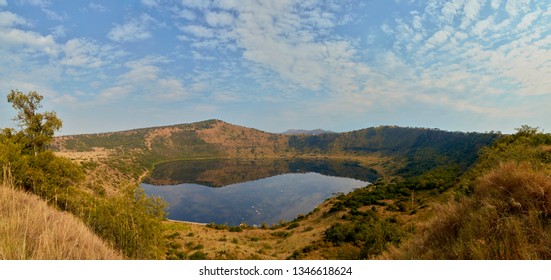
[(251, 191)]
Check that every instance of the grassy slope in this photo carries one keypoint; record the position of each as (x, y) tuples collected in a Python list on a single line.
[(30, 229), (499, 210)]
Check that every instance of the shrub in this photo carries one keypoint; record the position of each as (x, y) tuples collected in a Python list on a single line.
[(198, 256), (293, 225), (235, 229), (132, 222), (372, 236), (281, 234)]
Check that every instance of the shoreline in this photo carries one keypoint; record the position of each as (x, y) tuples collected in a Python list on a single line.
[(187, 222)]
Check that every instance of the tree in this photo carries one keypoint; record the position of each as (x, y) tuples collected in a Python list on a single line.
[(37, 128), (527, 131)]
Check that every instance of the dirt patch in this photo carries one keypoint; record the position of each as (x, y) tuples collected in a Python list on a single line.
[(97, 153), (238, 141), (159, 132)]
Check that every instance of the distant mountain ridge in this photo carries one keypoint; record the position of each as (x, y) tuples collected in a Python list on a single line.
[(306, 132), (413, 150)]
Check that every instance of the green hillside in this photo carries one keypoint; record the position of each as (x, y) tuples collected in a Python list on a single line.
[(499, 209), (421, 149)]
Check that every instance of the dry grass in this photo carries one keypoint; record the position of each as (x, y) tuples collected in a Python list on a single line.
[(508, 217), (265, 244), (30, 229)]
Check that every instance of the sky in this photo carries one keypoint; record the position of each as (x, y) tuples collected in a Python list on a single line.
[(459, 65)]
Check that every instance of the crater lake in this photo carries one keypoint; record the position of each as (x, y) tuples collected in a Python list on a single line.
[(234, 191)]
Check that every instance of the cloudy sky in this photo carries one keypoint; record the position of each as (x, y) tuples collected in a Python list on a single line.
[(468, 65)]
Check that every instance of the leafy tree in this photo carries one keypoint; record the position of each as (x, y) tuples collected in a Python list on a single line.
[(526, 130), (37, 128)]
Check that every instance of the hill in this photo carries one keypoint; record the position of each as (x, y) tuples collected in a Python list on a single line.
[(31, 229), (499, 209)]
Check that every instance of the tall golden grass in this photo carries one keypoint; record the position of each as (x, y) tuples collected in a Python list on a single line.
[(507, 217), (30, 229)]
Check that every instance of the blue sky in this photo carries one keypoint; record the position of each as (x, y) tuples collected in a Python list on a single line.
[(467, 65)]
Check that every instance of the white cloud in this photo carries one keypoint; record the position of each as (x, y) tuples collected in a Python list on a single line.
[(28, 41), (528, 19), (219, 18), (43, 5), (287, 38), (439, 38), (142, 70), (145, 80), (198, 4), (185, 13), (483, 26), (451, 9), (171, 89), (137, 29), (199, 56), (198, 31), (8, 19), (81, 52), (470, 62), (471, 10), (59, 31), (114, 93), (97, 7), (495, 4), (516, 7), (53, 15), (417, 22), (38, 3)]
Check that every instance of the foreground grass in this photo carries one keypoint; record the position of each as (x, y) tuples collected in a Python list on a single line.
[(507, 217), (30, 229), (501, 208)]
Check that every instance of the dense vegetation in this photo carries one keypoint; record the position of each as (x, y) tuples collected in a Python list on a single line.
[(500, 208), (129, 221), (419, 148)]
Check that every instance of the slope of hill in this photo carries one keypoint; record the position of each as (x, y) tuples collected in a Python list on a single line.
[(500, 209), (420, 149), (30, 229)]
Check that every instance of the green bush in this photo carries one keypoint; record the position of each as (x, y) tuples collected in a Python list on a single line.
[(198, 256), (293, 225), (132, 221), (372, 237)]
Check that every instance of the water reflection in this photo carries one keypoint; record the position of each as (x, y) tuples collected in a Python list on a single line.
[(251, 191), (223, 172)]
